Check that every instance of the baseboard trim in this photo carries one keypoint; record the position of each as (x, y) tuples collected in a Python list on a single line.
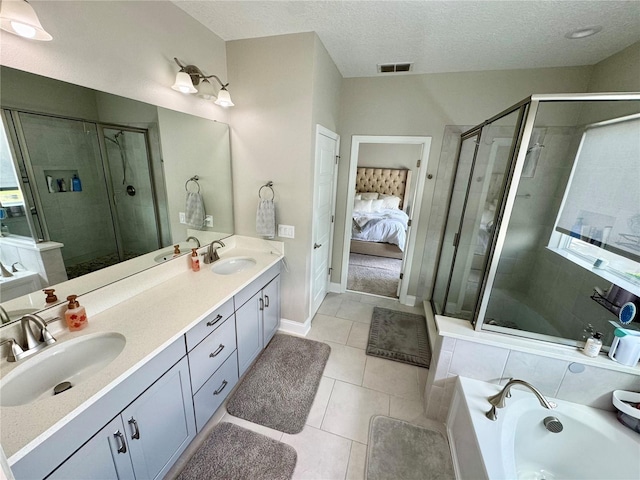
[(295, 328), (335, 287), (410, 300)]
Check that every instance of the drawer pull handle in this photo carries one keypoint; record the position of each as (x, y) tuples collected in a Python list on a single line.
[(224, 384), (122, 448), (266, 301), (211, 323), (136, 431), (218, 350)]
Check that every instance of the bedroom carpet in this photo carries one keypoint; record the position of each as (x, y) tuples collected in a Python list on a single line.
[(398, 449), (279, 388), (233, 452), (399, 336), (375, 275)]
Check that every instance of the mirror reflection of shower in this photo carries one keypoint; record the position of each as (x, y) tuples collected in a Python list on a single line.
[(99, 223)]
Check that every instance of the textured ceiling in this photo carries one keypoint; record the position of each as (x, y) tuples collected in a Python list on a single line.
[(438, 36)]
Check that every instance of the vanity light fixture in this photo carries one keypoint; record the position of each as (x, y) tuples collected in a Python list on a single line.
[(19, 18), (191, 76)]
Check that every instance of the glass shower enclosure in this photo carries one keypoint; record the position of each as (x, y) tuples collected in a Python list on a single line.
[(542, 235)]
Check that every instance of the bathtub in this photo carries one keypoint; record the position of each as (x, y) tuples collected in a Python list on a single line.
[(592, 445)]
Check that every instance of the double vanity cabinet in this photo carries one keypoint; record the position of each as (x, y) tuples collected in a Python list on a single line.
[(139, 428)]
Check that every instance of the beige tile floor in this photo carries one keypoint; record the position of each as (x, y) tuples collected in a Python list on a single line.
[(354, 387)]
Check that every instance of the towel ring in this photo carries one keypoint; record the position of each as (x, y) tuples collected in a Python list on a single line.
[(194, 179), (268, 185)]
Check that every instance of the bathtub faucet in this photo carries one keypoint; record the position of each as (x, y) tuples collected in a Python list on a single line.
[(498, 400)]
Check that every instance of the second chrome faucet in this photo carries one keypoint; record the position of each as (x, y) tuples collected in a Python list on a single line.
[(498, 400)]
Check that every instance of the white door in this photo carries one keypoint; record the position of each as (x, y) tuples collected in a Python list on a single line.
[(324, 191)]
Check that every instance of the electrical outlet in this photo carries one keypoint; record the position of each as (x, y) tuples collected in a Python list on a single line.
[(286, 231), (183, 219), (208, 221)]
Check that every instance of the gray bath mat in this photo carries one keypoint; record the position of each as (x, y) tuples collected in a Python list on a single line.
[(399, 336), (398, 449), (278, 390), (233, 452)]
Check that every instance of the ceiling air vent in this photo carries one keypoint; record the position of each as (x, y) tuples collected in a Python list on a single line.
[(394, 67)]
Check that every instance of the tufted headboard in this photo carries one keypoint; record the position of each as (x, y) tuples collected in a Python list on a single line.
[(390, 181)]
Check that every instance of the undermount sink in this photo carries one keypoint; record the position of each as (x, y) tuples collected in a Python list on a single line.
[(229, 266), (164, 256), (73, 361)]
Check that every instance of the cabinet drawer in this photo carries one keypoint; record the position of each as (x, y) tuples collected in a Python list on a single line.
[(215, 390), (209, 324), (207, 357)]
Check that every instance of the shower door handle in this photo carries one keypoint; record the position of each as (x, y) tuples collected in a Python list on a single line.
[(316, 245)]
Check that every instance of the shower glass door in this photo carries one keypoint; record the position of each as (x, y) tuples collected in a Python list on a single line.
[(479, 215), (66, 169), (466, 156), (132, 193)]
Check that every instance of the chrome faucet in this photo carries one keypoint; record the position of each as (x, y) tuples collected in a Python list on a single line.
[(211, 255), (4, 315), (191, 237), (498, 400)]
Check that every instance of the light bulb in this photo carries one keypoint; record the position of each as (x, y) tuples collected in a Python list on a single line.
[(23, 30)]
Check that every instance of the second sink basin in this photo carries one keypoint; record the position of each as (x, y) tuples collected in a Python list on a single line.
[(232, 265), (73, 361)]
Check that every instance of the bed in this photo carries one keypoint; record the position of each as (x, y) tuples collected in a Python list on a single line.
[(379, 215)]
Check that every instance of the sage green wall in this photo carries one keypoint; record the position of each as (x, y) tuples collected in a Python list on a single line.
[(618, 73)]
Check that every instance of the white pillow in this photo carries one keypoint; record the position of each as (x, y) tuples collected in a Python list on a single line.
[(377, 205), (358, 197), (369, 195), (391, 202), (362, 205)]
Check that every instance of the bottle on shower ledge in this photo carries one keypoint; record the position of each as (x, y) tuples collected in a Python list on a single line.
[(76, 184), (593, 345)]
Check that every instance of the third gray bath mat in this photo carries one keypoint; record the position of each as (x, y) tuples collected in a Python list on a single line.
[(278, 390), (399, 336), (398, 449)]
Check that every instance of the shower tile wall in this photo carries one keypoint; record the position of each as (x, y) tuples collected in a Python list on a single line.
[(136, 215), (79, 220)]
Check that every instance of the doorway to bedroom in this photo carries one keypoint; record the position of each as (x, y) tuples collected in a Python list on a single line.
[(382, 210)]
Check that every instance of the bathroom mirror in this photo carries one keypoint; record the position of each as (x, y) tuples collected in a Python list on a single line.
[(94, 186)]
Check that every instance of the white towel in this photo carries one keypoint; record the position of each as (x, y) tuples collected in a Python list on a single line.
[(194, 210), (266, 219)]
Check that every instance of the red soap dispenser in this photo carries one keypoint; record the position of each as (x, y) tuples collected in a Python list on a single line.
[(195, 261), (75, 315)]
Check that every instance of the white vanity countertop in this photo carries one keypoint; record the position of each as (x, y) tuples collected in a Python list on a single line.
[(150, 320)]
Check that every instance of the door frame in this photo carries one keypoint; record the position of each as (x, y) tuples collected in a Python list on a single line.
[(418, 191), (320, 130)]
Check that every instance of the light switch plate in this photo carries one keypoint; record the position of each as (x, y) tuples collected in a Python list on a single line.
[(286, 231), (183, 219), (208, 221)]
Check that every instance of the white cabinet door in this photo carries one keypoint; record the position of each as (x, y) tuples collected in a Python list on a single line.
[(105, 456), (249, 331), (271, 313), (160, 423)]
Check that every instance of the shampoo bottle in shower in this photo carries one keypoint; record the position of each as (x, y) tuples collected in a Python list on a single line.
[(195, 261), (76, 185), (593, 345), (75, 315)]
